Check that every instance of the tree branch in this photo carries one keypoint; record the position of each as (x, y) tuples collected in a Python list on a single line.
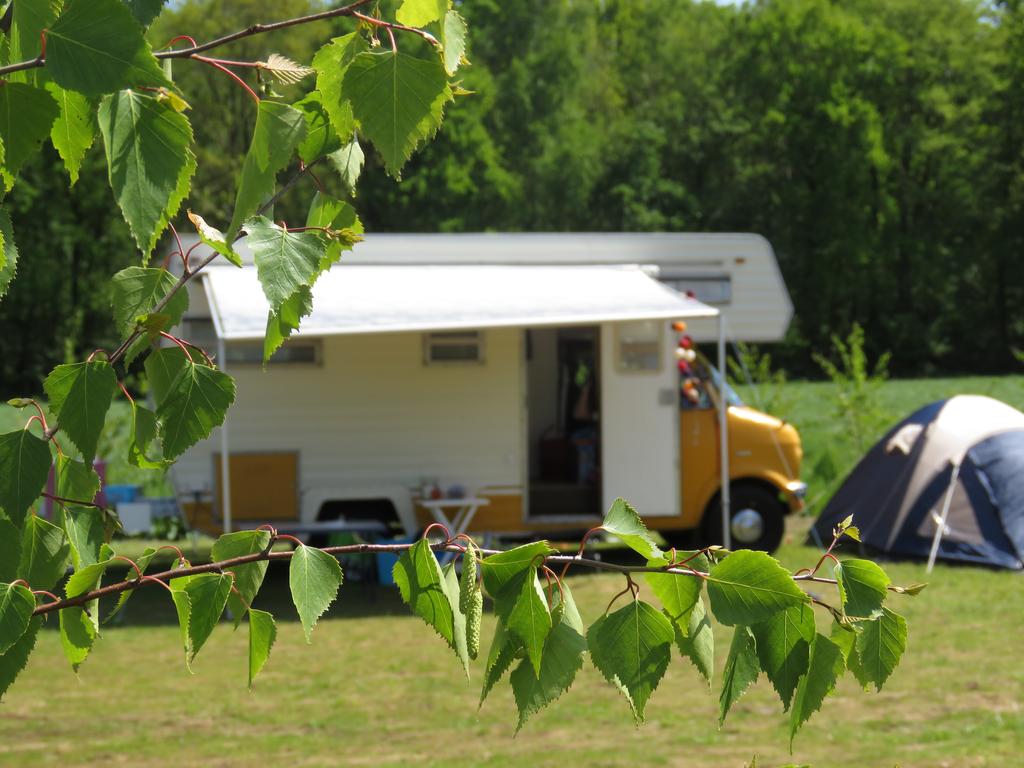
[(349, 549), (255, 29)]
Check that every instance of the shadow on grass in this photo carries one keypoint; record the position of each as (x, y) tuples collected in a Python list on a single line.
[(151, 606)]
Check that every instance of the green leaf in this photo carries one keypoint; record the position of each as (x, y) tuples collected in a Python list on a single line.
[(348, 162), (262, 634), (747, 587), (632, 649), (248, 576), (285, 261), (136, 291), (279, 131), (24, 467), (783, 648), (77, 634), (87, 577), (143, 432), (423, 589), (398, 101), (12, 662), (453, 39), (207, 596), (504, 650), (341, 219), (451, 587), (678, 594), (529, 620), (26, 114), (197, 402), (331, 63), (8, 248), (163, 367), (825, 666), (76, 481), (562, 659), (698, 645), (623, 521), (142, 564), (96, 47), (16, 606), (86, 532), (149, 161), (145, 11), (30, 18), (44, 553), (282, 323), (321, 138), (80, 396), (862, 587), (880, 645), (504, 567), (740, 671), (74, 130), (214, 238), (314, 578), (10, 550), (419, 13), (183, 607)]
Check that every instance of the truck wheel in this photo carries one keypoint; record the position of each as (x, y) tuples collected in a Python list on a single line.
[(758, 519)]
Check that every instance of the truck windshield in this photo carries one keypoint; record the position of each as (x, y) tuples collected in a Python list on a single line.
[(731, 396)]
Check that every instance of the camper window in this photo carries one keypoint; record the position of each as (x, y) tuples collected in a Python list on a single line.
[(453, 347), (639, 346), (199, 330), (294, 352), (710, 289)]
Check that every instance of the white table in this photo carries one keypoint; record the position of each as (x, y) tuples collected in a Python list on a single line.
[(459, 517)]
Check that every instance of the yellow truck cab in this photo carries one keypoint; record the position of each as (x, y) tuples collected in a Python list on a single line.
[(764, 469)]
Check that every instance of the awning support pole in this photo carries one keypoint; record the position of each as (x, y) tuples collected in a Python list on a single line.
[(941, 525), (225, 455), (723, 438), (225, 464)]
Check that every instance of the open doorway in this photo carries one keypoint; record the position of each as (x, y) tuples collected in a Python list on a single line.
[(563, 400)]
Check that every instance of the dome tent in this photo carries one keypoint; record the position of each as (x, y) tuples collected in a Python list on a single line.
[(956, 465)]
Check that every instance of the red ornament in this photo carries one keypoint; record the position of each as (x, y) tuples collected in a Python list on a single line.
[(686, 342)]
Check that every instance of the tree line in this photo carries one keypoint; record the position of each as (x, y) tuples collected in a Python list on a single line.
[(877, 144)]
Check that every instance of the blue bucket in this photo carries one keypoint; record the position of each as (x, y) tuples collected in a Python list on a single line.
[(386, 560), (121, 494)]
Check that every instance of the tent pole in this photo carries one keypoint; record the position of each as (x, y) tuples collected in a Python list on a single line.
[(723, 437), (942, 520)]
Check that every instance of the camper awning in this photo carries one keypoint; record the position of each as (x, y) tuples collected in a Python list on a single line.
[(352, 299)]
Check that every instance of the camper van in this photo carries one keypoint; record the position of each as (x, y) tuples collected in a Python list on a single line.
[(508, 384)]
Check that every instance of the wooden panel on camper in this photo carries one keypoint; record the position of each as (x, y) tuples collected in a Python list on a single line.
[(264, 487)]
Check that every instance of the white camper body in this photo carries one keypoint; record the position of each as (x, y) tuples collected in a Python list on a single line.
[(442, 359)]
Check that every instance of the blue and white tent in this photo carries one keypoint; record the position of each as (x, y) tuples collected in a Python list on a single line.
[(945, 483)]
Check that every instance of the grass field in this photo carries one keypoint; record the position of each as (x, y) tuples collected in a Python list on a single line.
[(378, 688)]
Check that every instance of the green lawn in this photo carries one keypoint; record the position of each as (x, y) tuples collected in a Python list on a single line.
[(377, 687)]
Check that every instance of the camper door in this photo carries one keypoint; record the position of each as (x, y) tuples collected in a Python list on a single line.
[(639, 422)]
